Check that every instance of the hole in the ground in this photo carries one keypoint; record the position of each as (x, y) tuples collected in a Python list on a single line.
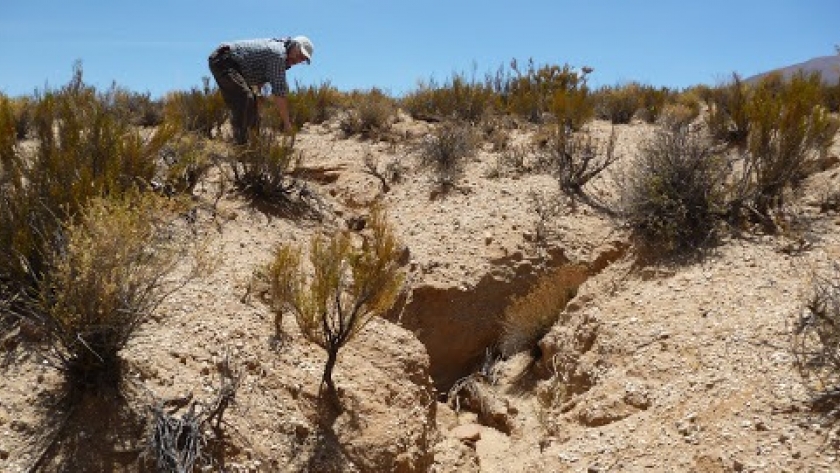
[(457, 326)]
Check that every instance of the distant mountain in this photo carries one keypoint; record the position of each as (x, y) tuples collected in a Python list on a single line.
[(827, 66)]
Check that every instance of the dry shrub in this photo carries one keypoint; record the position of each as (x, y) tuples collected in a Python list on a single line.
[(513, 160), (347, 287), (370, 114), (22, 111), (547, 206), (112, 267), (789, 130), (528, 318), (84, 151), (673, 195), (457, 99), (678, 115), (180, 443), (497, 131), (135, 108), (446, 150), (618, 104), (728, 115), (577, 157), (559, 91), (386, 171), (186, 162), (816, 343), (262, 168), (313, 104), (197, 110)]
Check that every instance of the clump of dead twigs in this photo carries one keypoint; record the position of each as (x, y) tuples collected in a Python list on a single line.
[(180, 443)]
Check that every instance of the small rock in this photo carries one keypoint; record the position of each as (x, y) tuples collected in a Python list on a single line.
[(468, 433)]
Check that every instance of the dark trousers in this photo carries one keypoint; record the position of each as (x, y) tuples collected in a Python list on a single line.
[(239, 97)]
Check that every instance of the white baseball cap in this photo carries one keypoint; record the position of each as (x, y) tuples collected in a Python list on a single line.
[(305, 47)]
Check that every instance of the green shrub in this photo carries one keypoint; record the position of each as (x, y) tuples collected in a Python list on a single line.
[(620, 104), (673, 194), (653, 101), (446, 149), (198, 110), (831, 97), (348, 286), (370, 114), (9, 156), (528, 318)]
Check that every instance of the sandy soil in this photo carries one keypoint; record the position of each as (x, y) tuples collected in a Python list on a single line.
[(670, 368)]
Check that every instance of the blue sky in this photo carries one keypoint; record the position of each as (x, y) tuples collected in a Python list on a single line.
[(157, 46)]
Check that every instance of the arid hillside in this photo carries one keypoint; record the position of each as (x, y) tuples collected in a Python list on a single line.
[(671, 365)]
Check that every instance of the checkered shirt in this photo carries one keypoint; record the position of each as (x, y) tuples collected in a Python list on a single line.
[(262, 61)]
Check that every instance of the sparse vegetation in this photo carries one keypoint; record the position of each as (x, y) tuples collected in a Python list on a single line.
[(88, 254)]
